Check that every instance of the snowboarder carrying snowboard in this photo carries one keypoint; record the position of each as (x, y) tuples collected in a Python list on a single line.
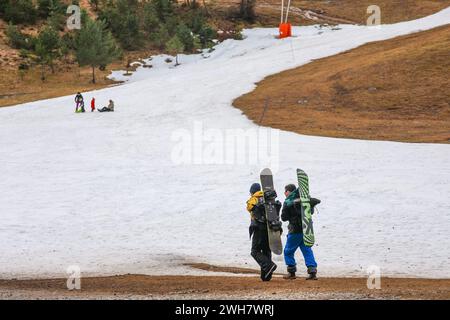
[(79, 102), (258, 232), (291, 212)]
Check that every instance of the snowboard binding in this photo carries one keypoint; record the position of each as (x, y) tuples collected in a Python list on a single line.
[(272, 211), (270, 194), (275, 225)]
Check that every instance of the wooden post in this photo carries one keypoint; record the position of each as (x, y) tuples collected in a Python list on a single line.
[(266, 106)]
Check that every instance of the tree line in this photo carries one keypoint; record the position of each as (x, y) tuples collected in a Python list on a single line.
[(119, 25)]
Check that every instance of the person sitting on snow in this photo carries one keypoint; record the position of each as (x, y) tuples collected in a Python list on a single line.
[(109, 108), (291, 212), (258, 229)]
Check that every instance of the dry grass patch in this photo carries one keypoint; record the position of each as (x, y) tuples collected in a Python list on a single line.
[(390, 90), (392, 11)]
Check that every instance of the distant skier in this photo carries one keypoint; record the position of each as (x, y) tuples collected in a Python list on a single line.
[(291, 212), (258, 229), (79, 101), (93, 104), (109, 108)]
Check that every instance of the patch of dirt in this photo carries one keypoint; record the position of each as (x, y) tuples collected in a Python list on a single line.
[(389, 90), (215, 287), (213, 268)]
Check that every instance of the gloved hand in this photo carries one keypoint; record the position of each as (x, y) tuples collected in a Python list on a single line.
[(270, 194), (278, 206), (275, 226), (259, 207), (314, 202)]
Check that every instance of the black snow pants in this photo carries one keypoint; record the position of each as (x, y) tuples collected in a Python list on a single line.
[(104, 109), (260, 248)]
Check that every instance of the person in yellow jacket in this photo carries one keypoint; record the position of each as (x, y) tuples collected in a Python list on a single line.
[(258, 233)]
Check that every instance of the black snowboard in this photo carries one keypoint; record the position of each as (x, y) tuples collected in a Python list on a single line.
[(272, 217)]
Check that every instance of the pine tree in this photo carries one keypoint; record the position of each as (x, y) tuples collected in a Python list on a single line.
[(124, 21), (207, 34), (47, 48), (160, 36), (174, 46), (247, 10), (45, 7), (17, 39), (164, 8), (150, 18), (95, 46), (3, 7), (20, 11), (184, 34), (130, 36)]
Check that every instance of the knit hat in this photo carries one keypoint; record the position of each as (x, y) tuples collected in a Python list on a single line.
[(255, 188), (290, 188)]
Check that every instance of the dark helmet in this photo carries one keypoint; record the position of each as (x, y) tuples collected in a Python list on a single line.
[(290, 188), (255, 188)]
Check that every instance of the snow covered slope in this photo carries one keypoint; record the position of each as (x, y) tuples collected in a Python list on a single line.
[(107, 192)]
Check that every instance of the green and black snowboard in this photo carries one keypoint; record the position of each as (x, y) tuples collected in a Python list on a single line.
[(305, 201), (272, 217)]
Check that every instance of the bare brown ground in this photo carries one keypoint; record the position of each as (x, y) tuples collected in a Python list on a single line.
[(390, 90), (342, 11), (223, 287), (213, 268), (392, 11)]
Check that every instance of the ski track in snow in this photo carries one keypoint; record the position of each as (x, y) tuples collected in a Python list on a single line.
[(101, 191)]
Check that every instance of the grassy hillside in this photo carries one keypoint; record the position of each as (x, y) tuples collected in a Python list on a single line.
[(391, 90)]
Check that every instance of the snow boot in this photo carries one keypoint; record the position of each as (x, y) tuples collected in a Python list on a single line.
[(263, 275), (289, 276), (266, 275), (312, 273), (291, 273)]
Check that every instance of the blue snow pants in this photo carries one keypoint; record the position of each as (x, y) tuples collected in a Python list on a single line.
[(294, 241)]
